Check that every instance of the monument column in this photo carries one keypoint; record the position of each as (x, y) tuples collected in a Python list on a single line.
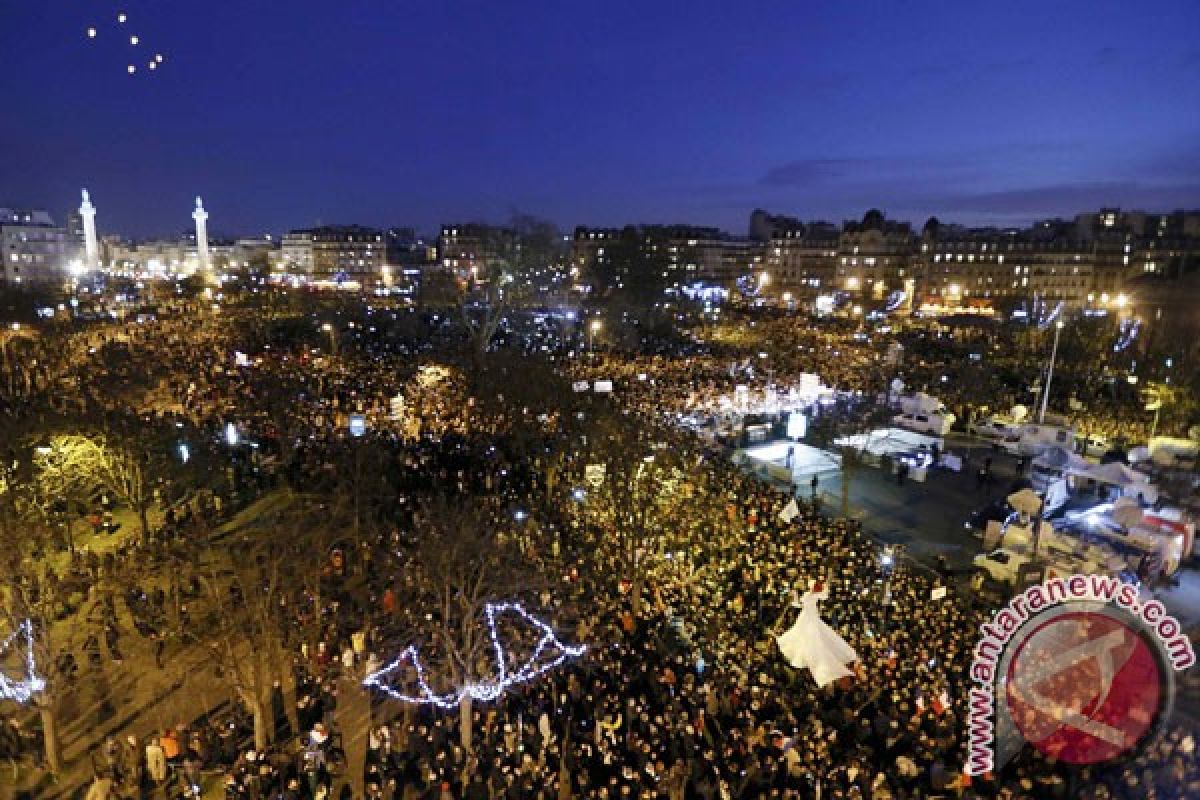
[(201, 218), (91, 249)]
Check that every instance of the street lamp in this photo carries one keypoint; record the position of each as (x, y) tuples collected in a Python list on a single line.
[(1058, 326), (887, 563), (593, 329), (333, 342)]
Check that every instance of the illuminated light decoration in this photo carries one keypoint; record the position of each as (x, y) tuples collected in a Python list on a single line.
[(23, 690), (895, 300), (1128, 332), (1046, 321), (749, 285), (484, 691)]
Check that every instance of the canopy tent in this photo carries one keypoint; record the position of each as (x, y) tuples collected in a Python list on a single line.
[(1061, 459), (890, 441), (1131, 483), (805, 460)]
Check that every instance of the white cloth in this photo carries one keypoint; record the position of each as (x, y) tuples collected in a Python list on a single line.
[(812, 644)]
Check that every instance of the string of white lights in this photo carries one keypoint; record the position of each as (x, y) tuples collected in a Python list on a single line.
[(21, 691), (484, 691), (1127, 333)]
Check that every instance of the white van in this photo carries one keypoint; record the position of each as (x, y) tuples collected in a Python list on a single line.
[(936, 423), (1172, 453), (994, 428), (1032, 440)]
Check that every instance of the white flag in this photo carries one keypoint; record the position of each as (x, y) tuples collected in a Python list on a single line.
[(790, 511)]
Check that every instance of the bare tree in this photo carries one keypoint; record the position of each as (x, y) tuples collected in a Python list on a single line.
[(461, 564), (521, 258), (17, 376), (76, 462), (31, 595), (637, 510), (245, 630)]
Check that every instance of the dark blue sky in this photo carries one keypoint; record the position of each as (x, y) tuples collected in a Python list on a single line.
[(283, 113)]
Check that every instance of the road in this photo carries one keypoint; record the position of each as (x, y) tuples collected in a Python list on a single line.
[(928, 518)]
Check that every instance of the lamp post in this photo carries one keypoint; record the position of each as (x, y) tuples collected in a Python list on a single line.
[(887, 562), (593, 328), (1058, 326), (333, 342)]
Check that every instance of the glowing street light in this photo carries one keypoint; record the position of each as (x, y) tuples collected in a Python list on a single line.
[(333, 342), (593, 329)]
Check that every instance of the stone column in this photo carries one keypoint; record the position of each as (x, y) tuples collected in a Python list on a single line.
[(201, 218), (91, 248)]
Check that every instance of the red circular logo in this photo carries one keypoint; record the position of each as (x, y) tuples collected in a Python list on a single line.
[(1084, 687)]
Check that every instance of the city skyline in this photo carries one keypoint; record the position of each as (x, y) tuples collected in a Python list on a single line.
[(417, 116)]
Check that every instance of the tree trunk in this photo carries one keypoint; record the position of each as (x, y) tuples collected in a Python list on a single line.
[(465, 721), (287, 683), (354, 721), (848, 467), (144, 523), (50, 732), (262, 725)]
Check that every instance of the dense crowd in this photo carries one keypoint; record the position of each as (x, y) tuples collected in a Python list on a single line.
[(682, 694)]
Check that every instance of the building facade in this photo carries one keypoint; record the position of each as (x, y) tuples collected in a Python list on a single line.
[(1086, 261), (34, 250), (802, 259), (474, 250), (336, 253)]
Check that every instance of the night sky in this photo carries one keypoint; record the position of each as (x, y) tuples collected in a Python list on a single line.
[(285, 113)]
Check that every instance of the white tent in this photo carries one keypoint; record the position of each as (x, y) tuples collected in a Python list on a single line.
[(1130, 482)]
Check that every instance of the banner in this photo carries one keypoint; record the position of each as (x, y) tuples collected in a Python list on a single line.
[(594, 474), (790, 511)]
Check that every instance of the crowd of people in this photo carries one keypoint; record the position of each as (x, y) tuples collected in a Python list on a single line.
[(682, 692)]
